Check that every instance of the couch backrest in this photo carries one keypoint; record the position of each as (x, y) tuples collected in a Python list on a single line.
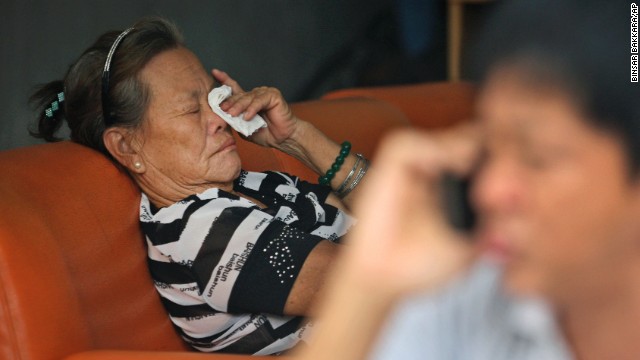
[(72, 260), (426, 105), (361, 121)]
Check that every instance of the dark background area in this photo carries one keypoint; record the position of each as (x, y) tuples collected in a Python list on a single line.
[(303, 47)]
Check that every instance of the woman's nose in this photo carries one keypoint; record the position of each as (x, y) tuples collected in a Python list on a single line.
[(214, 122)]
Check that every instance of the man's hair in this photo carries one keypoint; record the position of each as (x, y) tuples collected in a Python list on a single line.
[(582, 47)]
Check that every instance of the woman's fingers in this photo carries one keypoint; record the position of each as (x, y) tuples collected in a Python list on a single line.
[(253, 102), (272, 106), (249, 103), (224, 79)]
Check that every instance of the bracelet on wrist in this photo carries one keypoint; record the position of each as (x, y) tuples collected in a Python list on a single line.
[(345, 149), (346, 181), (356, 181)]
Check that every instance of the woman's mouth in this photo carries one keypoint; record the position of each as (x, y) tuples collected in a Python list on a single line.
[(230, 144)]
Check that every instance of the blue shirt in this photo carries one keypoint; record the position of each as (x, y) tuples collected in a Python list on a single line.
[(472, 318)]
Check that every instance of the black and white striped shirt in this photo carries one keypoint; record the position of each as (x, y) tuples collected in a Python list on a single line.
[(224, 267)]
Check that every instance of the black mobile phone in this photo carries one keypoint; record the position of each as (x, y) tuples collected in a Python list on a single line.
[(456, 202)]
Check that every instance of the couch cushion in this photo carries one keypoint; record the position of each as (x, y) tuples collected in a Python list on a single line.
[(72, 258)]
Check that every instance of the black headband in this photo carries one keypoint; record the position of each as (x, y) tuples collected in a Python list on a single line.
[(106, 111)]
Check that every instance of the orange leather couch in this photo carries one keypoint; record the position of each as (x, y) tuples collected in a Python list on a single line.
[(73, 276)]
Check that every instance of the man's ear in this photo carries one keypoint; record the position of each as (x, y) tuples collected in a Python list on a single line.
[(122, 145)]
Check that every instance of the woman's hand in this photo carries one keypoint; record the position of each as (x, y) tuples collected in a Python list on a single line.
[(281, 123), (402, 242)]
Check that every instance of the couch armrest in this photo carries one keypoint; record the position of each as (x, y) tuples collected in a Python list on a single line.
[(160, 355)]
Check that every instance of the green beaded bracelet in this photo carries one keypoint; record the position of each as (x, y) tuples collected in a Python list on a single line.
[(328, 176)]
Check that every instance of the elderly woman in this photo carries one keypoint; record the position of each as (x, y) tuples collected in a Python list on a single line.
[(236, 256), (555, 273)]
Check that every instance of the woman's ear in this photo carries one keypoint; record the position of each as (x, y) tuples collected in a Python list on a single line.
[(122, 145)]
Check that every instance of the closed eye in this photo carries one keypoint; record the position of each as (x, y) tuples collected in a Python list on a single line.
[(191, 111)]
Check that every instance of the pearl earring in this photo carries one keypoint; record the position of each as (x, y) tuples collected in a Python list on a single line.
[(137, 165)]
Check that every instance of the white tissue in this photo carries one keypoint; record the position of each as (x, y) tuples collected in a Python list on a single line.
[(245, 127)]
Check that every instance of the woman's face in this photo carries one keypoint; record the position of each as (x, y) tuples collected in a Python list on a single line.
[(555, 198), (186, 148)]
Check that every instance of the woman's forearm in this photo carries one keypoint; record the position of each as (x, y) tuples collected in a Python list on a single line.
[(318, 152)]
